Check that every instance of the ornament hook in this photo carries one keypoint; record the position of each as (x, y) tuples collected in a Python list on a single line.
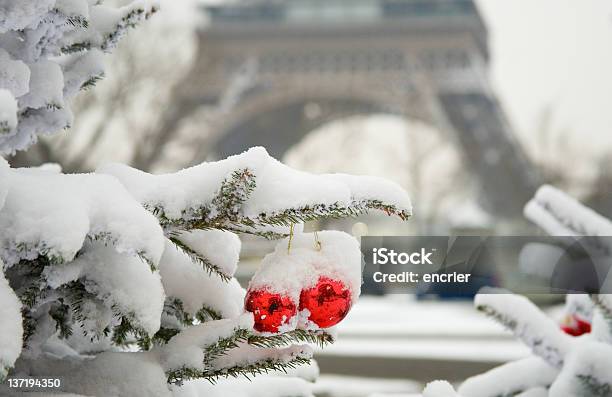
[(317, 241), (290, 238)]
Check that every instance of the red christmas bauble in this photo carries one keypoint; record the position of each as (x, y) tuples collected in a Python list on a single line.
[(328, 302), (575, 326), (270, 310)]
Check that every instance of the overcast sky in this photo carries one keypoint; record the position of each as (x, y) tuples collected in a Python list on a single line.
[(554, 53)]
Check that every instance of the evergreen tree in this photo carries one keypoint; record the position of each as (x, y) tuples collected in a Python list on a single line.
[(121, 282)]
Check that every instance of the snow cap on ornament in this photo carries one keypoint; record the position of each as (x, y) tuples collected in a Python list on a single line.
[(309, 284), (578, 315)]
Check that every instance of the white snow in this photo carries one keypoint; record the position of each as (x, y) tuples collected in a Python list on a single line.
[(561, 215), (79, 68), (592, 361), (374, 188), (8, 111), (190, 188), (186, 348), (4, 186), (106, 20), (189, 282), (288, 272), (308, 372), (580, 305), (221, 248), (534, 328), (73, 7), (601, 324), (539, 215), (14, 75), (46, 86), (535, 392), (601, 328), (246, 354), (112, 277), (278, 186), (43, 121), (50, 167), (107, 24), (22, 14), (108, 374), (74, 207), (510, 378), (11, 331), (439, 388)]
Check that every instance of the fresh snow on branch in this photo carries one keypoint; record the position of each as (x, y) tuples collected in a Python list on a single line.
[(22, 14), (110, 276), (198, 289), (566, 366), (49, 50), (11, 331), (587, 372), (107, 373), (8, 111), (186, 349), (220, 247), (527, 323), (561, 215), (439, 388), (510, 379), (260, 190), (246, 355), (53, 215)]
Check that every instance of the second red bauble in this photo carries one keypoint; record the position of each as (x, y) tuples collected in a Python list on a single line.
[(328, 302), (575, 326), (270, 310)]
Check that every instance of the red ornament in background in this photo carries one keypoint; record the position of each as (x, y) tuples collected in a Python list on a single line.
[(328, 302), (575, 326), (270, 310)]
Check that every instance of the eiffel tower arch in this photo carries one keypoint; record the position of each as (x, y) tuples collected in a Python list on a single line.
[(284, 68)]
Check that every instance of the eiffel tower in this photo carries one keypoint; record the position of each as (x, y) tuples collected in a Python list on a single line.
[(285, 68)]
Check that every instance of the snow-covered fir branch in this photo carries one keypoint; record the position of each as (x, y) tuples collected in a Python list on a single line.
[(49, 50), (511, 379), (122, 282), (242, 193), (228, 348), (560, 215), (527, 323), (197, 258), (73, 258), (563, 365)]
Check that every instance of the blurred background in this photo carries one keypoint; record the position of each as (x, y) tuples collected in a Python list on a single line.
[(469, 105)]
